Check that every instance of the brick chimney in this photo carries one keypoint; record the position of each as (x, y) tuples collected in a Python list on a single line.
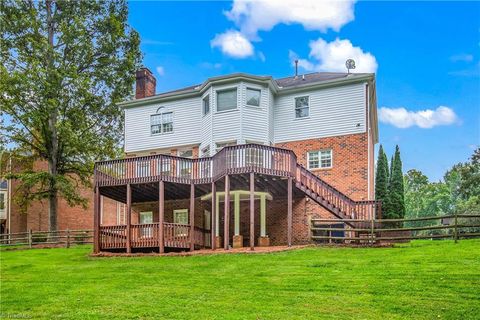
[(145, 85)]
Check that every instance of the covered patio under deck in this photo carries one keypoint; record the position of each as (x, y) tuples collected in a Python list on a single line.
[(223, 227)]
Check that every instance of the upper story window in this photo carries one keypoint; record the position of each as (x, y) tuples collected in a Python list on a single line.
[(320, 159), (227, 99), (161, 123), (302, 107), (253, 97), (206, 105)]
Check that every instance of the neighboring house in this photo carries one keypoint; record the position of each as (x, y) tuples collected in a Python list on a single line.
[(14, 219), (241, 160)]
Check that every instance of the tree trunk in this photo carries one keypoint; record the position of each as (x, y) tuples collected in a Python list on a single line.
[(52, 122)]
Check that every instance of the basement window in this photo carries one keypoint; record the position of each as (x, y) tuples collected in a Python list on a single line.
[(320, 159)]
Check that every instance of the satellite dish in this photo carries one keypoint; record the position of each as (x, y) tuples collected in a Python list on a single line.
[(350, 64)]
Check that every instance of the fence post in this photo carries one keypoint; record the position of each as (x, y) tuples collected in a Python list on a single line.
[(455, 231), (30, 238), (68, 238), (372, 229)]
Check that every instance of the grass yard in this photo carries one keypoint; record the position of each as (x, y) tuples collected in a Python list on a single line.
[(421, 280)]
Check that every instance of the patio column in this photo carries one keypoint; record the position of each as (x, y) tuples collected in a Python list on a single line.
[(237, 237), (96, 220), (263, 240), (129, 217), (161, 215), (289, 213), (263, 217), (252, 211), (226, 228), (214, 219), (192, 217)]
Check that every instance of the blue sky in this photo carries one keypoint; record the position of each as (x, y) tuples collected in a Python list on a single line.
[(426, 56)]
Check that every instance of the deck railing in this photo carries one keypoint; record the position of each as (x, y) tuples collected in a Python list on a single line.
[(230, 160), (233, 160)]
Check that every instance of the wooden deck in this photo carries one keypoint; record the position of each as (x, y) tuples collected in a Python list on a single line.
[(248, 167)]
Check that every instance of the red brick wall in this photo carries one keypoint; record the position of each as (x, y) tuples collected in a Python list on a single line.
[(36, 215), (349, 172)]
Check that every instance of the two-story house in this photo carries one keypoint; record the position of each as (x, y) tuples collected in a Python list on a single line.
[(240, 160)]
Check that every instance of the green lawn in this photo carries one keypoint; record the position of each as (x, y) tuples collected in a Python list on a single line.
[(421, 280)]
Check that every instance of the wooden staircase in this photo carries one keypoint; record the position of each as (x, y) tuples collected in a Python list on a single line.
[(332, 199)]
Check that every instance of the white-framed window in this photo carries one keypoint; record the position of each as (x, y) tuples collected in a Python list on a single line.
[(184, 167), (253, 97), (221, 145), (226, 99), (206, 152), (180, 216), (206, 105), (302, 107), (161, 123), (320, 159), (146, 217)]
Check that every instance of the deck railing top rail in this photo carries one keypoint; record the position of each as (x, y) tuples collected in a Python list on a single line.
[(231, 159)]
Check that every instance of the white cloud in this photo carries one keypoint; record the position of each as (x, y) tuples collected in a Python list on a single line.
[(160, 70), (254, 15), (463, 57), (233, 43), (331, 56), (403, 118)]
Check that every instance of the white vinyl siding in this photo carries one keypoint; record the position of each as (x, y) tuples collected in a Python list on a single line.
[(333, 111), (187, 118)]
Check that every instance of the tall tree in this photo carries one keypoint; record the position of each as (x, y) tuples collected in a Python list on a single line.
[(396, 196), (65, 65), (381, 176)]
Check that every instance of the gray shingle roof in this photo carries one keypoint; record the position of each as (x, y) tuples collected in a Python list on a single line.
[(287, 82), (311, 78)]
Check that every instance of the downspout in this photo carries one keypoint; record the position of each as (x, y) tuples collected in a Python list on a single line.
[(9, 187), (367, 105)]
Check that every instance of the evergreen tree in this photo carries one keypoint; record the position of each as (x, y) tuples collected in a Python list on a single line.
[(396, 197), (381, 176)]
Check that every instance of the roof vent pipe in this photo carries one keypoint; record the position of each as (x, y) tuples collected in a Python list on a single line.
[(296, 68)]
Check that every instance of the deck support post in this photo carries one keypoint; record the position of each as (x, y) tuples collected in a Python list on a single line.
[(161, 216), (96, 220), (252, 211), (129, 217), (290, 209), (263, 216), (226, 227), (213, 228), (192, 217)]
